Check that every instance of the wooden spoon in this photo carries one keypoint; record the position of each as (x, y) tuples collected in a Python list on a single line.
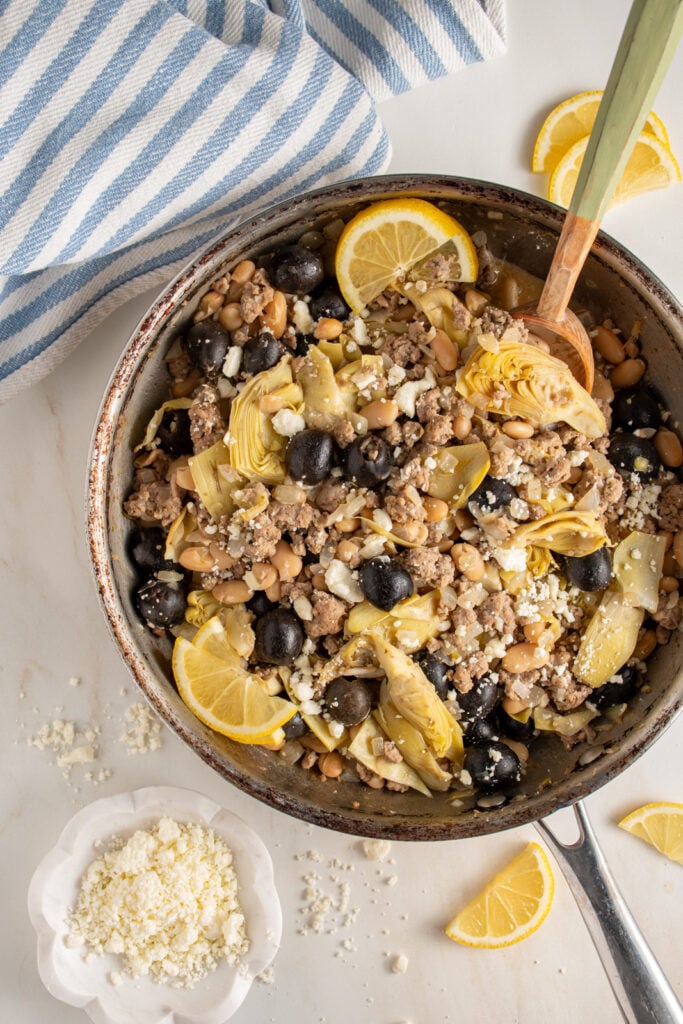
[(648, 43)]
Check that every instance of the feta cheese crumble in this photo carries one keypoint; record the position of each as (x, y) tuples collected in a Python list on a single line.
[(166, 901)]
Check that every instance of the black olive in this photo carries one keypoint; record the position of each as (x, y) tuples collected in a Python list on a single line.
[(348, 700), (493, 493), (302, 343), (631, 454), (479, 731), (368, 460), (160, 605), (384, 582), (259, 603), (436, 672), (510, 727), (481, 700), (591, 572), (146, 548), (616, 690), (296, 269), (635, 408), (327, 300), (261, 352), (279, 637), (295, 727), (309, 456), (174, 433), (493, 766), (207, 344)]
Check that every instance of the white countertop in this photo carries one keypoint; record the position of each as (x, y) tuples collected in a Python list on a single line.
[(479, 123)]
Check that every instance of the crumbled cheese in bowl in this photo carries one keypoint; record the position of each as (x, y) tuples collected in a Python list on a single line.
[(166, 901)]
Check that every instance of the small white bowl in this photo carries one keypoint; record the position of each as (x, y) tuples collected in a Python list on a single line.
[(54, 889)]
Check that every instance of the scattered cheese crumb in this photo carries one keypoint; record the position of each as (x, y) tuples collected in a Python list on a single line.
[(288, 423), (400, 964), (144, 730), (376, 849)]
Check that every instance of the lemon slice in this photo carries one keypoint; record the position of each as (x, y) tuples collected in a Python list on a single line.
[(511, 907), (569, 122), (212, 638), (651, 165), (226, 698), (660, 825), (381, 243)]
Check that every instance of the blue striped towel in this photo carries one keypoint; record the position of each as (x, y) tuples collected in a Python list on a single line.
[(134, 131)]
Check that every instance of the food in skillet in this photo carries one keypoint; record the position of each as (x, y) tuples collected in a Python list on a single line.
[(392, 534)]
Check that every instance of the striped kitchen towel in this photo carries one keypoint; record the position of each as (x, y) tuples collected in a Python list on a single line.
[(134, 131)]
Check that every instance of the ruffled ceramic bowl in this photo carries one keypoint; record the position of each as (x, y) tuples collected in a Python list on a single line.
[(86, 983)]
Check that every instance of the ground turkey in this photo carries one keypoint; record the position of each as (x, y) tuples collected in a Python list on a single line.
[(207, 423), (331, 494), (609, 488), (289, 518), (329, 615), (256, 294), (497, 614), (404, 506), (427, 405), (155, 500), (439, 430), (567, 692), (260, 537), (547, 455), (428, 568), (402, 350), (671, 508), (668, 613)]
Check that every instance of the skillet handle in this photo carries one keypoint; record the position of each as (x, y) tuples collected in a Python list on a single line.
[(642, 991)]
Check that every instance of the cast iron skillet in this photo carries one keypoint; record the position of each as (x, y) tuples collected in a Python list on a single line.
[(519, 228)]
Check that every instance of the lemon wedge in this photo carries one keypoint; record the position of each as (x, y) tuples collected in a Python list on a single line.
[(511, 907), (651, 165), (570, 121), (225, 697), (381, 243), (660, 825)]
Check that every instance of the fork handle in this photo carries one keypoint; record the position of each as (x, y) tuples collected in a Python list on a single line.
[(638, 982)]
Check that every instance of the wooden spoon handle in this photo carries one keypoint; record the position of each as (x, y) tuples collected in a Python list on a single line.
[(648, 43)]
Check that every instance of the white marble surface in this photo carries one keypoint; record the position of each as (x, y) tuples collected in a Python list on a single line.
[(480, 124)]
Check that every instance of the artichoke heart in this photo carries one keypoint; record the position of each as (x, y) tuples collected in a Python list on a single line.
[(566, 725), (442, 308), (325, 403), (412, 745), (521, 380), (214, 479), (177, 537), (568, 532), (414, 697), (362, 748), (377, 528), (637, 564), (458, 472), (609, 640), (409, 624), (157, 417), (366, 372), (201, 606), (236, 621), (356, 657), (256, 449)]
